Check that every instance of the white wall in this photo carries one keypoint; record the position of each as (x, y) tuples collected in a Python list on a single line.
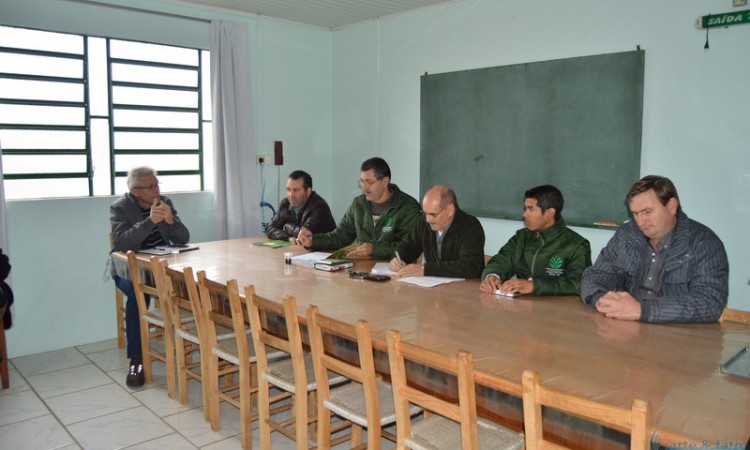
[(695, 102), (58, 247)]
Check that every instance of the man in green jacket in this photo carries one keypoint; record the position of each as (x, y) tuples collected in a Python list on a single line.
[(545, 258), (377, 221)]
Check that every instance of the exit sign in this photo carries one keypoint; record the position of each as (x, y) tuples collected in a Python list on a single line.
[(723, 20)]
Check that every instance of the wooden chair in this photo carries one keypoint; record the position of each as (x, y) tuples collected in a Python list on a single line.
[(156, 323), (535, 396), (226, 380), (119, 300), (735, 315), (180, 291), (294, 375), (367, 402), (452, 426), (4, 376)]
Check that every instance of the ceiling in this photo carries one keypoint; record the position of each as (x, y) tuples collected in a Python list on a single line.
[(330, 14)]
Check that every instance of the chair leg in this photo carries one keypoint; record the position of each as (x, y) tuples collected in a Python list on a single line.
[(300, 420), (169, 360), (182, 368), (120, 314), (211, 383), (324, 426), (246, 424), (264, 414), (146, 351)]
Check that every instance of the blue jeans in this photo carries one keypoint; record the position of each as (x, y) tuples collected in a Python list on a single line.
[(132, 317)]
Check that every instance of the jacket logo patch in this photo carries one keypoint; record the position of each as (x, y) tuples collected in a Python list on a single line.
[(555, 266), (388, 225)]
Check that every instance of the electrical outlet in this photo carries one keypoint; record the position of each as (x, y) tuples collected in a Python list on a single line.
[(261, 159)]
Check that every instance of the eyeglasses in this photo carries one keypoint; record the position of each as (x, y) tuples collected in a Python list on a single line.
[(361, 183), (433, 215), (150, 187)]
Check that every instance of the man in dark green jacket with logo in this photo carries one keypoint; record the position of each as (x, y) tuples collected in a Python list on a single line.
[(377, 221), (545, 258)]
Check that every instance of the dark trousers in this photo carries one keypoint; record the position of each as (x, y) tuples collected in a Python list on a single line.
[(132, 317)]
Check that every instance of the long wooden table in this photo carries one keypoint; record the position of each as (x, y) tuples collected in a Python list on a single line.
[(575, 349)]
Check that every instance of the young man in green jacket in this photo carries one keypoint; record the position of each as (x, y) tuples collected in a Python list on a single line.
[(546, 257), (378, 220)]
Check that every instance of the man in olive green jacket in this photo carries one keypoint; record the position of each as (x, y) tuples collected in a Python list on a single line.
[(545, 258), (378, 220)]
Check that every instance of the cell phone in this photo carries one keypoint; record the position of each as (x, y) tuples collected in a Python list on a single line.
[(375, 277), (358, 275)]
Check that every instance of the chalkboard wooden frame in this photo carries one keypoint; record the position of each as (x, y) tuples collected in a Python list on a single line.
[(576, 123)]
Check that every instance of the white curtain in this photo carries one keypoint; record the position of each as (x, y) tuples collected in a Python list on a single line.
[(237, 211), (4, 229), (3, 223)]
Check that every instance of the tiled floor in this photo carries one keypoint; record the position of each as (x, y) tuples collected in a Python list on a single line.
[(76, 398)]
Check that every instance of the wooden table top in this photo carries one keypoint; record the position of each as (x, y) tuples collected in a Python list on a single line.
[(575, 349)]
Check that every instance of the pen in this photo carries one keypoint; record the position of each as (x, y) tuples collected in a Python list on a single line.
[(398, 257)]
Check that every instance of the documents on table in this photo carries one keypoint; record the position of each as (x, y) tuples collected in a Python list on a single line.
[(309, 259), (381, 268), (429, 281), (272, 243), (162, 250)]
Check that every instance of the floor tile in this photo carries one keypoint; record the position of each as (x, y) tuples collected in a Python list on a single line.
[(172, 441), (49, 361), (110, 359), (65, 381), (122, 429), (109, 344), (194, 427), (91, 403), (17, 382), (157, 400), (20, 406), (36, 434)]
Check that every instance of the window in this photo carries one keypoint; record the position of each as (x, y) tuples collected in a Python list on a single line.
[(77, 112)]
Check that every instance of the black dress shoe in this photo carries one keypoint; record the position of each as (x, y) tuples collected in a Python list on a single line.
[(135, 374)]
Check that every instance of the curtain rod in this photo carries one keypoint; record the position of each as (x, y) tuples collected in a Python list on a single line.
[(140, 10)]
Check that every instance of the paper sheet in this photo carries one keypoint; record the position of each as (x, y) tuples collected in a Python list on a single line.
[(429, 281), (381, 268)]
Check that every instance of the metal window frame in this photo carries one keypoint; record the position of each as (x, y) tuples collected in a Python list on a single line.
[(83, 81)]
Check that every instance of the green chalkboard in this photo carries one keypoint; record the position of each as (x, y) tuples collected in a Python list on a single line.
[(575, 123)]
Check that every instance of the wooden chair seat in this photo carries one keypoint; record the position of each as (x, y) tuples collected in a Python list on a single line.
[(281, 374), (439, 433), (349, 402)]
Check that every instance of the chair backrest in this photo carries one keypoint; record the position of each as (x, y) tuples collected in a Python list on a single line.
[(735, 315), (635, 420), (265, 319), (461, 366), (214, 299), (179, 288), (144, 283), (321, 328)]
